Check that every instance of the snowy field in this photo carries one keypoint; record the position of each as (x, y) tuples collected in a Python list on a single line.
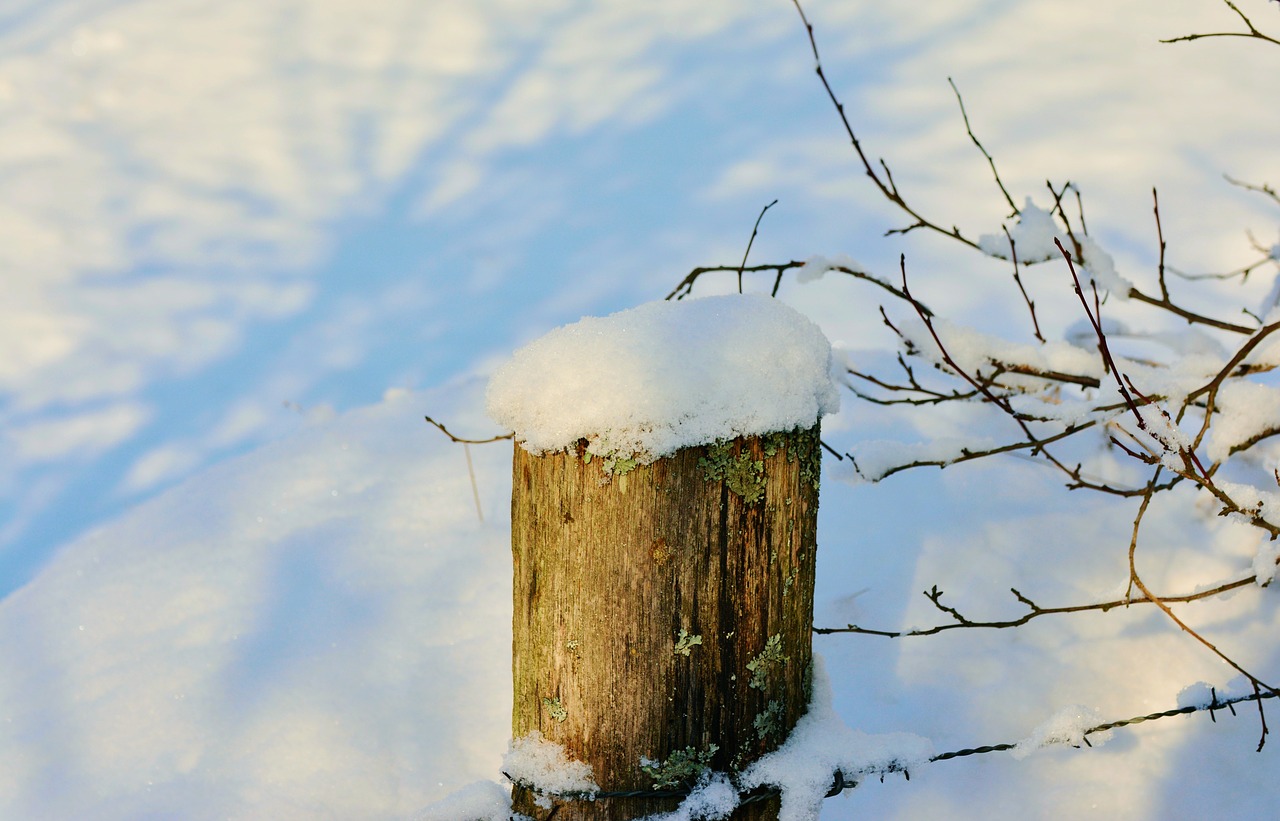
[(247, 246)]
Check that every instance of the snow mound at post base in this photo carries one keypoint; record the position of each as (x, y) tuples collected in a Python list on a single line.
[(667, 375)]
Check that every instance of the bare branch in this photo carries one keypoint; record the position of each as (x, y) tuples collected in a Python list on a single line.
[(686, 285), (886, 185), (1261, 188), (462, 441), (1035, 611), (1017, 278), (1252, 32)]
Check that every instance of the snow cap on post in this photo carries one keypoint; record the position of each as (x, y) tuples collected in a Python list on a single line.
[(667, 375)]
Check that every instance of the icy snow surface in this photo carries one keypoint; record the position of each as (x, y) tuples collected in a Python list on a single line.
[(667, 375)]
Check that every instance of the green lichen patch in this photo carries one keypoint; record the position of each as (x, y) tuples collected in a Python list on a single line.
[(555, 709), (686, 642), (681, 768), (769, 722), (614, 464), (620, 465), (809, 451), (743, 475), (762, 665)]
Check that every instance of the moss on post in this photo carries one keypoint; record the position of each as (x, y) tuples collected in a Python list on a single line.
[(663, 615)]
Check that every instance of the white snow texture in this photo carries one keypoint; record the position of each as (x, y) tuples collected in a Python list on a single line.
[(667, 375)]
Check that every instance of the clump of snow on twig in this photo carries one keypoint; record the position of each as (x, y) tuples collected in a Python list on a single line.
[(1173, 441), (540, 764), (1033, 237), (977, 352), (1253, 502), (1265, 561), (479, 801), (1247, 411), (814, 267), (667, 375), (1065, 727), (1101, 268), (821, 743)]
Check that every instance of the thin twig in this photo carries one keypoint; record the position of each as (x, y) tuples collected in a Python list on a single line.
[(1164, 287), (991, 162), (460, 440), (1260, 188), (754, 230), (1031, 306)]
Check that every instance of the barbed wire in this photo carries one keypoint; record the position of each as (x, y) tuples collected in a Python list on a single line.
[(842, 781)]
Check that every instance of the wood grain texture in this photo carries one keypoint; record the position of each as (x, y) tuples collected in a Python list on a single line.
[(663, 609)]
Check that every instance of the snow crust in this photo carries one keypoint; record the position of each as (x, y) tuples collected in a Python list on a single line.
[(667, 375)]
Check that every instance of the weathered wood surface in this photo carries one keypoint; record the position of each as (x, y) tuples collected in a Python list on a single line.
[(665, 608)]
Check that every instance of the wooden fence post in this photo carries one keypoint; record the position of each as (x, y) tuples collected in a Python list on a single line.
[(663, 612)]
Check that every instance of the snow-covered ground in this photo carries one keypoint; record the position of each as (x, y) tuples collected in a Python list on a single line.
[(219, 605), (320, 629)]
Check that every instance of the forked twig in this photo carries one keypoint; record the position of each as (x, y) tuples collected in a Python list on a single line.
[(1252, 33)]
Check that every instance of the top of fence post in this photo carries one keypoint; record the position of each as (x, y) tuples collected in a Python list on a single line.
[(645, 382)]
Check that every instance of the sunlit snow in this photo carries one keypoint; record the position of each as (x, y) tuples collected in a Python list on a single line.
[(667, 375)]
